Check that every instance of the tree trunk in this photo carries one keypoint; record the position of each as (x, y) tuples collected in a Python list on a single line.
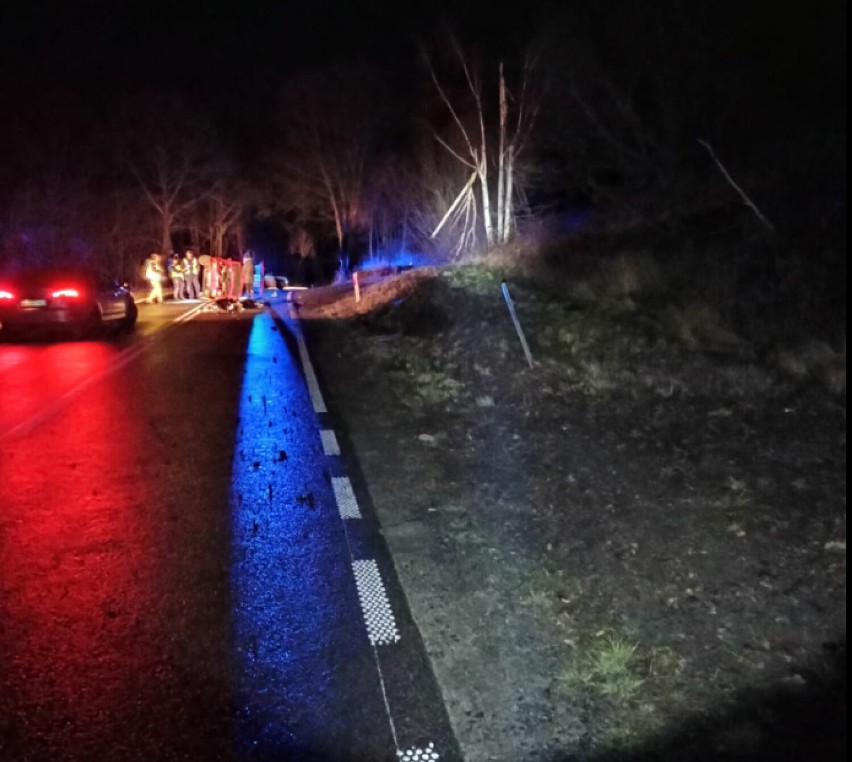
[(508, 208), (338, 223), (482, 171), (463, 194), (166, 235), (502, 234)]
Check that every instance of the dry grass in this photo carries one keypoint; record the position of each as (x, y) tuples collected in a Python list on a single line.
[(700, 327), (338, 302), (814, 360), (633, 274), (597, 335)]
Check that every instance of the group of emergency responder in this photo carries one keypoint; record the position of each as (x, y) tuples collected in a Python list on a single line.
[(204, 276)]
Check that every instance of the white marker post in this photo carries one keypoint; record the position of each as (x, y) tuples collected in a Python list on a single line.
[(517, 323), (357, 286)]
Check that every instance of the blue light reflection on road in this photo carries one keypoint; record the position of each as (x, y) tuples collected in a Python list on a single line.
[(294, 615)]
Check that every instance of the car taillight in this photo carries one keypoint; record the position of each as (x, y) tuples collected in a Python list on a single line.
[(4, 294), (65, 293)]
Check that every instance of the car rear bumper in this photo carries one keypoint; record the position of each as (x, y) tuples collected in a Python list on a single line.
[(18, 319)]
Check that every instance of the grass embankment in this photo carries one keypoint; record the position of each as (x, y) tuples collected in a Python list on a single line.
[(646, 530)]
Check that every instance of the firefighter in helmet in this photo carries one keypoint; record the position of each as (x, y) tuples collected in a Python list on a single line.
[(154, 276)]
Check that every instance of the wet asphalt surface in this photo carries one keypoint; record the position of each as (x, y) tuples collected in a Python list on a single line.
[(176, 579)]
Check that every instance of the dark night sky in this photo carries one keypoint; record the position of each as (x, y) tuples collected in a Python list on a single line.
[(230, 56), (234, 55), (241, 50), (210, 47)]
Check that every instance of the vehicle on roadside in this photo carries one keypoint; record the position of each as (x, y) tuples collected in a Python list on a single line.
[(71, 300)]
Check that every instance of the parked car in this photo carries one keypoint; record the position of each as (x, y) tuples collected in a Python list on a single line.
[(76, 300)]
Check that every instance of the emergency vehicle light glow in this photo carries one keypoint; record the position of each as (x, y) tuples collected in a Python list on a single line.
[(6, 294), (72, 293)]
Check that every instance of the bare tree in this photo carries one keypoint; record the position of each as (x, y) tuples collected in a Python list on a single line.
[(214, 219), (516, 127), (223, 214), (120, 229), (477, 132), (331, 121), (171, 152), (474, 152), (302, 242), (413, 199)]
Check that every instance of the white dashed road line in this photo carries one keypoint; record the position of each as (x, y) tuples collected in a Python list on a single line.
[(379, 619), (329, 442), (344, 495)]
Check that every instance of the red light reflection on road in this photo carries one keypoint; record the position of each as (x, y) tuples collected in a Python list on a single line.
[(74, 585), (35, 376)]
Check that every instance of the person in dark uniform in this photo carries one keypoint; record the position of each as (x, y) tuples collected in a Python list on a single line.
[(204, 261), (191, 271), (176, 274)]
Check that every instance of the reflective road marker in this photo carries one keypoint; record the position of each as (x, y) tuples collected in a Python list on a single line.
[(419, 755), (381, 626), (345, 497)]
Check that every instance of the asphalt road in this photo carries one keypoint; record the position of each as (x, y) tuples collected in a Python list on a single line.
[(189, 567)]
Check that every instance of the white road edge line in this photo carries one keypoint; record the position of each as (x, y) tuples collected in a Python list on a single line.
[(344, 496), (329, 442), (311, 377), (348, 507), (307, 366)]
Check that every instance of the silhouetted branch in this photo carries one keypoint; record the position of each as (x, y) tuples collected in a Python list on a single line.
[(748, 202)]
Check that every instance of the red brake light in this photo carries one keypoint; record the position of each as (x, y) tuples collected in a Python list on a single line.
[(65, 293), (6, 294)]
